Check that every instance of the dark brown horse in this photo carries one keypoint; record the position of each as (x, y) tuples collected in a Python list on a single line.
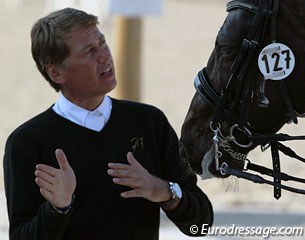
[(253, 84)]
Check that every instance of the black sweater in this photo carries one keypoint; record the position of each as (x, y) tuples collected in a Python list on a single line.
[(98, 209)]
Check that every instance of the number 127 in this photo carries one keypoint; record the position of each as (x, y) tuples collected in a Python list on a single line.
[(277, 57)]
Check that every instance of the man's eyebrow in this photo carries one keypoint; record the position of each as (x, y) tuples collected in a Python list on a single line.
[(86, 46)]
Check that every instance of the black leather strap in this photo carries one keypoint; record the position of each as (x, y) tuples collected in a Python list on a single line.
[(205, 89), (258, 179), (274, 19), (276, 169), (288, 102), (269, 172), (242, 5)]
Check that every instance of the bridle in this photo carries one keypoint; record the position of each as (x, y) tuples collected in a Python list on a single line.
[(264, 13)]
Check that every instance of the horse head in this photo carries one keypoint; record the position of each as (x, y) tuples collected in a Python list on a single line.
[(234, 99)]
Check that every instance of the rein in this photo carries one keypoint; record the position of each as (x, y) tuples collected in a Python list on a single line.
[(265, 12)]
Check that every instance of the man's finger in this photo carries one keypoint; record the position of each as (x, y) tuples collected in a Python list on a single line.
[(41, 174), (132, 161), (47, 169), (132, 193), (128, 182), (46, 194), (62, 160), (44, 184), (120, 173), (120, 166)]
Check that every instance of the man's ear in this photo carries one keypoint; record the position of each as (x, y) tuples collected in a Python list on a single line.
[(55, 73)]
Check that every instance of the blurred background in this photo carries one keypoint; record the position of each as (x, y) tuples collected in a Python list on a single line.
[(174, 45)]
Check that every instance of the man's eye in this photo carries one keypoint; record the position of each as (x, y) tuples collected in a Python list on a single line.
[(102, 42)]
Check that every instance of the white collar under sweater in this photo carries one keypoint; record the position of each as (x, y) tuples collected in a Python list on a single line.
[(94, 120)]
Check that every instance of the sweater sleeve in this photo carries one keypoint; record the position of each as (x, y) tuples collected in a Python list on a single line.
[(30, 215), (194, 208)]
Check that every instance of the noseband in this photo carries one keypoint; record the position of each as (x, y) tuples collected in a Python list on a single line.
[(265, 13)]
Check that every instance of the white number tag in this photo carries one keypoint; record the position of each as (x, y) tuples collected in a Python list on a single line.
[(276, 61)]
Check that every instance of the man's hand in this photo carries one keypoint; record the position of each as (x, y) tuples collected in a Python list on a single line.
[(56, 185), (137, 177)]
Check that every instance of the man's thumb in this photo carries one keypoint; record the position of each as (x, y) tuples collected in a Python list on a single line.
[(132, 161), (62, 159)]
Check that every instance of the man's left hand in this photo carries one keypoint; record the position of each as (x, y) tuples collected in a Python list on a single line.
[(135, 176)]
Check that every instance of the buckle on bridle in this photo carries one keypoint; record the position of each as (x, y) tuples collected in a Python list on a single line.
[(264, 147), (245, 131), (223, 168)]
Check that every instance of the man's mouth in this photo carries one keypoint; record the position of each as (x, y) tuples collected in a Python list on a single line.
[(108, 70)]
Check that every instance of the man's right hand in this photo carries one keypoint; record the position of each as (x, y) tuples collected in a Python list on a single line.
[(56, 185)]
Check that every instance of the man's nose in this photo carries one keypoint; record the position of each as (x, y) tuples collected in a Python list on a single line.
[(103, 54)]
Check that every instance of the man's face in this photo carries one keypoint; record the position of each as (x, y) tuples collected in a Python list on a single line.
[(89, 72)]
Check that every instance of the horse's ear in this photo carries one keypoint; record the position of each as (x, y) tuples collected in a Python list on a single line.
[(55, 73)]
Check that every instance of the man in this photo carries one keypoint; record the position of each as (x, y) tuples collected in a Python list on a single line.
[(66, 172)]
